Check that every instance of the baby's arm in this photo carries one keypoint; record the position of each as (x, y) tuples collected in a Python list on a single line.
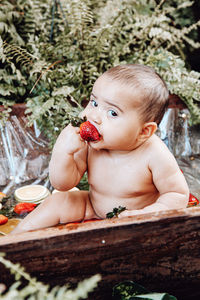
[(171, 184), (68, 160), (169, 181)]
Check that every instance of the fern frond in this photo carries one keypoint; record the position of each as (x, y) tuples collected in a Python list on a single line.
[(90, 36), (38, 290), (180, 82), (184, 4), (14, 52), (81, 13)]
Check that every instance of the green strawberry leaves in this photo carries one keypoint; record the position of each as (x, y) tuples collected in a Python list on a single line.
[(115, 212)]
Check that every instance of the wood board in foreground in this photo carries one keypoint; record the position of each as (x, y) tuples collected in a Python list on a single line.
[(160, 251)]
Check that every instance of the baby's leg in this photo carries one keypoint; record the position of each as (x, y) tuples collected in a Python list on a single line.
[(61, 207)]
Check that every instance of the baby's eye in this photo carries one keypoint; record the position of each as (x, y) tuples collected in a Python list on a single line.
[(94, 103), (112, 113)]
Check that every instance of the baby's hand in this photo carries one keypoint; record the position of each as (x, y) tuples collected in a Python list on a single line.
[(74, 142), (70, 141)]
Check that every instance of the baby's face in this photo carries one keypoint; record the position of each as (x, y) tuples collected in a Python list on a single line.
[(113, 110)]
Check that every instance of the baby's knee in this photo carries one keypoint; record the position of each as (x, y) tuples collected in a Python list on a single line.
[(68, 206), (73, 207)]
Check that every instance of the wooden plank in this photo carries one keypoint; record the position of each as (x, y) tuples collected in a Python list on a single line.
[(159, 251)]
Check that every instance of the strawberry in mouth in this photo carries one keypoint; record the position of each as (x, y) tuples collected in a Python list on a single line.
[(88, 132)]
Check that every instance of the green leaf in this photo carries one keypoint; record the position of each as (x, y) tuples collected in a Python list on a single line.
[(115, 212), (110, 215), (35, 289), (127, 289), (64, 91)]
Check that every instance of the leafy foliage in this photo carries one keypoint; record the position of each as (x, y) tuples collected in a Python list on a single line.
[(37, 290), (129, 290), (53, 51), (115, 212)]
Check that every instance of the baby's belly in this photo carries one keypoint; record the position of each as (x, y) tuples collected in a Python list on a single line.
[(104, 203)]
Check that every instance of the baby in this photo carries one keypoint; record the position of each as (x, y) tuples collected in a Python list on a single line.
[(129, 166)]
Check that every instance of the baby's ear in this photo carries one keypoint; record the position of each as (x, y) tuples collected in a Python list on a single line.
[(147, 131)]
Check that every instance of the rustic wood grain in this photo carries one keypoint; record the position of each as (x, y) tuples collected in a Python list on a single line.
[(159, 251)]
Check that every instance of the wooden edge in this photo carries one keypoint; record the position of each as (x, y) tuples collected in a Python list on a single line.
[(176, 102), (17, 109), (70, 228)]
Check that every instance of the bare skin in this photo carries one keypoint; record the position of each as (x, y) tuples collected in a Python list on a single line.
[(130, 166)]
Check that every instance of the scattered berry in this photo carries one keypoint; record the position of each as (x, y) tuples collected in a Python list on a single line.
[(22, 208), (3, 219), (193, 201)]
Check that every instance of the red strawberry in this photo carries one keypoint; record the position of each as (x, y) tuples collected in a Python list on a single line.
[(3, 219), (193, 201), (22, 208), (89, 132)]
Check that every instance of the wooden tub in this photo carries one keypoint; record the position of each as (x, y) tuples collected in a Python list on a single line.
[(160, 251)]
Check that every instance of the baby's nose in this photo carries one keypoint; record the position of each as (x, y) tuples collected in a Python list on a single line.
[(92, 115), (96, 117)]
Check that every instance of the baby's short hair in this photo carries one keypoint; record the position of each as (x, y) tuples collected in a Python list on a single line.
[(154, 92)]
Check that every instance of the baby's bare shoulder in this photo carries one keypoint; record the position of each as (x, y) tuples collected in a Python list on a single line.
[(157, 145), (159, 153)]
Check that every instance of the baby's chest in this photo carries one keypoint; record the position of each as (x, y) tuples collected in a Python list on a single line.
[(120, 175)]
